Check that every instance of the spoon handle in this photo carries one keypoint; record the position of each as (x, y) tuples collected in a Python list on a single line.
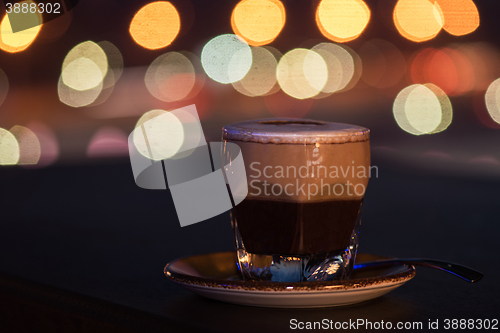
[(466, 273)]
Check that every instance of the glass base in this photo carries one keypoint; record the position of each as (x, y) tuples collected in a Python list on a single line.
[(297, 268)]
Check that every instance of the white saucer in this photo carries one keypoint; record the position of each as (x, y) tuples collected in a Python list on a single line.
[(216, 276)]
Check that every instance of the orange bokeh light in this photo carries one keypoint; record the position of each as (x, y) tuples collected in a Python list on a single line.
[(466, 77), (460, 16), (13, 42), (342, 20), (447, 68), (440, 70), (258, 22), (418, 20), (155, 25)]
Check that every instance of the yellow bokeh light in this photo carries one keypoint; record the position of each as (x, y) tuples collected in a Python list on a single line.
[(115, 62), (170, 77), (302, 73), (261, 77), (340, 65), (418, 20), (492, 98), (82, 74), (18, 41), (460, 16), (85, 66), (342, 20), (77, 98), (192, 133), (158, 135), (258, 22), (422, 109), (9, 148), (29, 145), (104, 92), (155, 25), (85, 73)]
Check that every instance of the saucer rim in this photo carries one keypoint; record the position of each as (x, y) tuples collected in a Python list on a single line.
[(296, 287)]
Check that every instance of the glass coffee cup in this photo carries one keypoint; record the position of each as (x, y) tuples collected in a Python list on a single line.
[(306, 183)]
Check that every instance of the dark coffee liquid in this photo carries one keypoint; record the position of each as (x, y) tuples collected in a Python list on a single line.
[(279, 227)]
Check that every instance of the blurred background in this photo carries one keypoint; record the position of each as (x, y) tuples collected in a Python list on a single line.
[(421, 74)]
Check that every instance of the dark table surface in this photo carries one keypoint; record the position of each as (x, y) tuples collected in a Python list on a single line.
[(82, 249)]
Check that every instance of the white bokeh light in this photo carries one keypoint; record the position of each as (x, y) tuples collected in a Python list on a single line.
[(226, 58)]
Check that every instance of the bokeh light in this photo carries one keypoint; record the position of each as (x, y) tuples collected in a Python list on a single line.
[(104, 93), (77, 98), (115, 61), (342, 20), (261, 77), (258, 22), (29, 145), (465, 71), (161, 135), (86, 72), (200, 77), (108, 142), (277, 55), (155, 25), (192, 133), (9, 148), (85, 66), (460, 16), (492, 98), (18, 41), (170, 77), (383, 64), (440, 69), (226, 58), (302, 73), (340, 66), (483, 58), (358, 68), (447, 68), (422, 109), (82, 74), (49, 146), (4, 86), (114, 72), (418, 20)]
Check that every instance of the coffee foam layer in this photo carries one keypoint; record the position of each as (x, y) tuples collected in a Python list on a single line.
[(294, 131), (306, 173)]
